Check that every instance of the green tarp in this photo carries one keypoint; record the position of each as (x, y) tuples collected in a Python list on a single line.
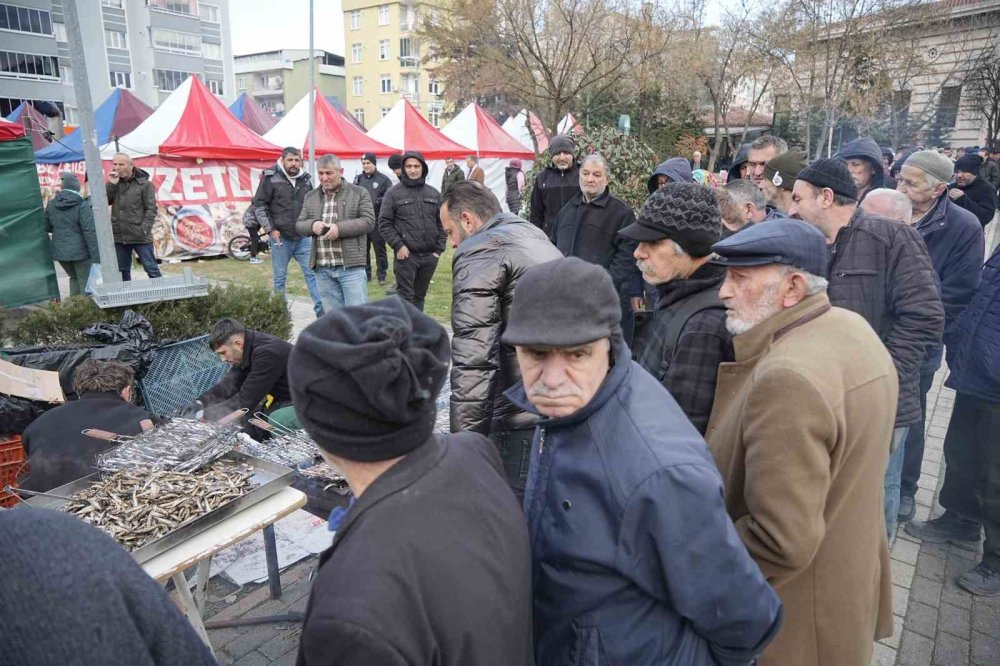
[(27, 274)]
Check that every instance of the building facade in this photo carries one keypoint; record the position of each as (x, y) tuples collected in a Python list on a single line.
[(385, 61), (279, 79), (147, 46)]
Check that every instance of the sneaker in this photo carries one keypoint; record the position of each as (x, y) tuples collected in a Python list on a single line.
[(983, 581), (907, 509), (948, 528), (256, 260)]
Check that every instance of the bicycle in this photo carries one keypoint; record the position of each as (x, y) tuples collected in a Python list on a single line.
[(239, 247)]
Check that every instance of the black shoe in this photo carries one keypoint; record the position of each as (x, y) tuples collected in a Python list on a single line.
[(907, 509), (948, 528), (381, 282), (983, 581)]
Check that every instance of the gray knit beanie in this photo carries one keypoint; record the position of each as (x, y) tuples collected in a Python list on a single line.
[(70, 181), (933, 164), (562, 143)]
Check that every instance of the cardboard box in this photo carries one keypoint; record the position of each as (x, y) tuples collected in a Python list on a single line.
[(29, 383)]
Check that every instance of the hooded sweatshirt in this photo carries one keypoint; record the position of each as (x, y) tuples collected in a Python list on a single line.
[(409, 216), (70, 219), (742, 157), (676, 169), (865, 148)]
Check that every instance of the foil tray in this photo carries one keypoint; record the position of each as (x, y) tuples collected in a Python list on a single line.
[(268, 477)]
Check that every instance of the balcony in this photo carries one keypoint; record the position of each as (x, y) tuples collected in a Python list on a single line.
[(411, 97), (409, 62)]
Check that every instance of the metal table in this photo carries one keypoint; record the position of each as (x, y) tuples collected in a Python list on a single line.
[(199, 549)]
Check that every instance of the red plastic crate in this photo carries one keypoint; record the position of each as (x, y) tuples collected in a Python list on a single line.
[(11, 466)]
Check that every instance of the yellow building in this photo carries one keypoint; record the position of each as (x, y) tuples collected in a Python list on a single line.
[(384, 60)]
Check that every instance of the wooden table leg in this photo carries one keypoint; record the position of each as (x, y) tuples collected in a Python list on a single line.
[(190, 608), (201, 584), (271, 555)]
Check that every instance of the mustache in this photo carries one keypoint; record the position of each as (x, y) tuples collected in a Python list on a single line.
[(644, 266), (539, 390)]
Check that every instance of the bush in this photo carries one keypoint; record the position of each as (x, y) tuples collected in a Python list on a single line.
[(61, 323)]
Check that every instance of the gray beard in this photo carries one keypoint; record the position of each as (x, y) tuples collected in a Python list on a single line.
[(757, 315)]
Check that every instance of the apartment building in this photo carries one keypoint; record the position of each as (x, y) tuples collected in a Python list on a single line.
[(385, 61), (147, 46), (279, 79)]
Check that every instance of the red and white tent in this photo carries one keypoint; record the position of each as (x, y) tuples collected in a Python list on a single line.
[(204, 165), (9, 130), (517, 126), (403, 128), (474, 128), (569, 125), (335, 135)]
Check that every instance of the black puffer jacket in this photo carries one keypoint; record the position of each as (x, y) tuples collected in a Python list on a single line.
[(865, 148), (590, 231), (376, 185), (410, 215), (513, 188), (133, 208), (486, 269), (279, 200), (553, 189), (880, 269), (979, 198)]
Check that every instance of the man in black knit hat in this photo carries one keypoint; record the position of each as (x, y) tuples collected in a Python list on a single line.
[(557, 183), (684, 339), (880, 269), (431, 563), (376, 184), (972, 192)]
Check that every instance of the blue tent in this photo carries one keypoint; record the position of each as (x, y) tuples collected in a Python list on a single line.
[(120, 113), (249, 112)]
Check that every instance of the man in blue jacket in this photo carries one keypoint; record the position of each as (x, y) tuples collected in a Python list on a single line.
[(971, 490), (634, 558)]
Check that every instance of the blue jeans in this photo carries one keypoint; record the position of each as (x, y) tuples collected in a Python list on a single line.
[(299, 250), (339, 286), (893, 474), (147, 257)]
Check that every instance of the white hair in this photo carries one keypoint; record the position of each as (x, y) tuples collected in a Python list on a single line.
[(328, 161), (900, 206), (814, 283), (599, 158), (678, 250)]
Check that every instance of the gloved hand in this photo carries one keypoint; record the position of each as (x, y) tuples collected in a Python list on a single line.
[(195, 410)]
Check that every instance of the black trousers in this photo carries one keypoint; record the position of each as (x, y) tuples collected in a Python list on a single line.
[(413, 277), (972, 475), (381, 257), (913, 455), (254, 243), (515, 454)]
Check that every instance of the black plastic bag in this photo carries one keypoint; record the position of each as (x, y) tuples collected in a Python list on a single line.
[(132, 328), (17, 413)]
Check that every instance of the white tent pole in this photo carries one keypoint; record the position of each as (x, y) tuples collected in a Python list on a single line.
[(312, 94)]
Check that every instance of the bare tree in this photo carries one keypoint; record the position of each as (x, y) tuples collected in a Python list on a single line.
[(982, 86)]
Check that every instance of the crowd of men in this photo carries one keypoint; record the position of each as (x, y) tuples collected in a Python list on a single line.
[(684, 434)]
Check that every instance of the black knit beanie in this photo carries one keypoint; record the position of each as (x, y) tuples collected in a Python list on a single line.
[(562, 143), (833, 174), (396, 161), (364, 379), (686, 213), (370, 157), (969, 163)]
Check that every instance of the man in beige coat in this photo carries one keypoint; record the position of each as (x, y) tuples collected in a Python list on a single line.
[(800, 430)]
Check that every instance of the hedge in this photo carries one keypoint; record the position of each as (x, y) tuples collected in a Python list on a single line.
[(60, 323)]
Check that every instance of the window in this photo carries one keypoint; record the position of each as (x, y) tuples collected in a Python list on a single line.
[(189, 7), (383, 14), (66, 75), (241, 83), (23, 19), (112, 3), (211, 51), (209, 13), (383, 49), (356, 82), (28, 65), (409, 54), (359, 115), (356, 19), (115, 40), (947, 111), (355, 53), (178, 42), (385, 83), (59, 30), (121, 80), (69, 115), (168, 79), (215, 87), (433, 86), (385, 110), (434, 115)]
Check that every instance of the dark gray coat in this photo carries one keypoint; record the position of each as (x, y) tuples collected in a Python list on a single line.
[(880, 269), (410, 217), (355, 218), (279, 200), (486, 269), (69, 217), (133, 208)]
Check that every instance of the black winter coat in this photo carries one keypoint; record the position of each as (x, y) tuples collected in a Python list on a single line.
[(133, 208), (487, 267), (57, 450), (690, 369), (974, 356), (590, 231), (980, 199), (513, 189), (430, 566), (376, 185), (553, 190), (280, 199), (262, 372), (880, 269), (410, 214)]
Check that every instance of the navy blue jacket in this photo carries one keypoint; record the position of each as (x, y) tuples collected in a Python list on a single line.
[(634, 559), (676, 169), (974, 355), (955, 243)]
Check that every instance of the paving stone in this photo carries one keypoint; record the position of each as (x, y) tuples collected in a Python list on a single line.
[(939, 550), (287, 659), (300, 605), (934, 443), (933, 456), (900, 599), (253, 659), (905, 551), (250, 640), (930, 565), (956, 596), (282, 643), (925, 497), (922, 513), (926, 591), (954, 620), (915, 650), (902, 573), (921, 619), (985, 649), (950, 651), (897, 633), (883, 655), (223, 657), (986, 618)]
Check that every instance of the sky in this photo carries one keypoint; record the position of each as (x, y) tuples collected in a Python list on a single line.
[(266, 25)]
